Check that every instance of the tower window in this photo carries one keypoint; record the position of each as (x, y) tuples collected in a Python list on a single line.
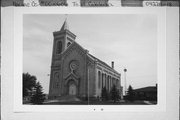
[(59, 47), (69, 43)]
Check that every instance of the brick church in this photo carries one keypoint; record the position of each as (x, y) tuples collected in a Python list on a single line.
[(75, 72)]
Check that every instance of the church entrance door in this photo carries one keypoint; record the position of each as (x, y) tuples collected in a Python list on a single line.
[(72, 89)]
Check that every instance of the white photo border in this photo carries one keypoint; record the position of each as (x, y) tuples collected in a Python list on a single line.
[(18, 60)]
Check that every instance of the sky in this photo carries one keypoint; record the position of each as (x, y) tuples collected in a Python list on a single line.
[(130, 40)]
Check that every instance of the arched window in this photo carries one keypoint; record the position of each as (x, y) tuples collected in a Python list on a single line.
[(69, 43), (117, 82), (56, 76), (108, 83), (59, 47), (105, 81), (102, 79), (99, 79), (113, 80)]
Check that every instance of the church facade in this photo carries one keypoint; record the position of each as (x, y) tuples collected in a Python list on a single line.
[(74, 71)]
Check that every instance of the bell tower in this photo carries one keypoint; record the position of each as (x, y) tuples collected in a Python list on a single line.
[(62, 40)]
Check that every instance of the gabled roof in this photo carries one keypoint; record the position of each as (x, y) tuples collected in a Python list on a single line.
[(100, 61), (95, 58), (71, 75), (65, 26), (147, 89), (90, 56), (71, 45)]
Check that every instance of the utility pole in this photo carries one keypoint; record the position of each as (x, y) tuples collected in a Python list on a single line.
[(125, 70), (88, 86)]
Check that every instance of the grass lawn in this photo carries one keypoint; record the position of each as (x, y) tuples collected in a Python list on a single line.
[(97, 103)]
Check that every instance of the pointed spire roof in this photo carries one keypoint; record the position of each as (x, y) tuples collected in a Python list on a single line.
[(65, 26)]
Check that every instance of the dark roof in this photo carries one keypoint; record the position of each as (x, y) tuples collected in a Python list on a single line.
[(100, 61), (94, 56), (147, 89)]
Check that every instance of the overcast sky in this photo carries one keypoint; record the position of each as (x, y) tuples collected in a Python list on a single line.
[(128, 40)]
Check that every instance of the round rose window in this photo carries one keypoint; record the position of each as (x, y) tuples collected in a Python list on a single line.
[(74, 65)]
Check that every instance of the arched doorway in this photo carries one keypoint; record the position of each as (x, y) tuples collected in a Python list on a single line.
[(72, 89)]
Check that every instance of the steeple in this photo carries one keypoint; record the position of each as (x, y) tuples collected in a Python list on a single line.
[(65, 26), (62, 39)]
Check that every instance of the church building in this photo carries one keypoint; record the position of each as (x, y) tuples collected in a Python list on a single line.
[(75, 72)]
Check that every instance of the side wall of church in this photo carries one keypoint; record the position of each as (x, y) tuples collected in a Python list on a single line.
[(106, 78), (92, 80)]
